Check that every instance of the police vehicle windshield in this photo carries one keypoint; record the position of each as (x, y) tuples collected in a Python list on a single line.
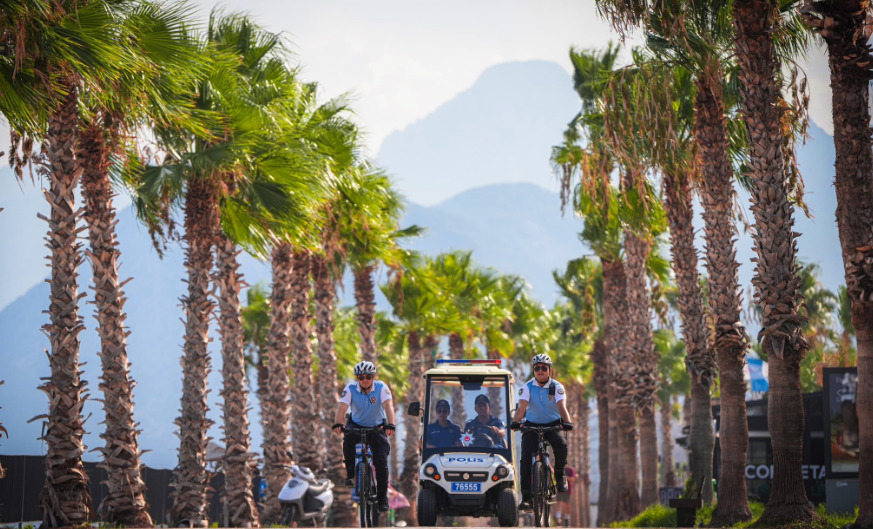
[(467, 413)]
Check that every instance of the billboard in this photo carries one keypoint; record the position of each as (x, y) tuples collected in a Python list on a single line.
[(841, 422)]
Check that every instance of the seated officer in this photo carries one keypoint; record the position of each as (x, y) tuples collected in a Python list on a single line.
[(443, 432), (486, 427)]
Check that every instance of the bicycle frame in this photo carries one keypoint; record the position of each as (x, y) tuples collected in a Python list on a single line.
[(542, 456), (366, 497)]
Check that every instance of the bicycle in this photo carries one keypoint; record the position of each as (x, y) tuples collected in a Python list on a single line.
[(543, 489), (365, 478)]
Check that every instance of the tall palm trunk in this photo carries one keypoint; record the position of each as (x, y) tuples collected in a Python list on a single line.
[(846, 38), (303, 431), (408, 484), (190, 478), (648, 456), (699, 359), (639, 382), (125, 502), (456, 351), (724, 302), (776, 281), (610, 510), (616, 300), (275, 406), (65, 498), (342, 512), (366, 302), (669, 479), (583, 462), (601, 388), (239, 461)]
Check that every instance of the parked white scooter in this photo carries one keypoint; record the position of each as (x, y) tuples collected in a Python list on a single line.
[(304, 499)]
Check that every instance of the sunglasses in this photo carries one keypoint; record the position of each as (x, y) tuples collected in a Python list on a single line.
[(442, 410), (365, 377), (541, 368)]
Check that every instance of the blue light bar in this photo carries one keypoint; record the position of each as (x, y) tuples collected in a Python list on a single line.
[(449, 361)]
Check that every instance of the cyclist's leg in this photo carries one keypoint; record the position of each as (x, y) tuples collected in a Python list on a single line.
[(528, 449), (381, 448), (559, 448), (350, 439)]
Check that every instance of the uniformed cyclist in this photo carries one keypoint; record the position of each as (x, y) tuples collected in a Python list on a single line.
[(371, 405), (486, 427), (542, 402), (443, 432)]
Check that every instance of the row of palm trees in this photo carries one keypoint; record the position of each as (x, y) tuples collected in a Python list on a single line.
[(709, 100), (224, 148)]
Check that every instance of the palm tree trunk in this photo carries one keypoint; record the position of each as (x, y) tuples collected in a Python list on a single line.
[(601, 388), (583, 463), (190, 478), (366, 302), (847, 50), (456, 351), (649, 457), (239, 460), (305, 416), (3, 432), (639, 382), (408, 484), (610, 510), (725, 301), (669, 474), (342, 512), (65, 498), (125, 503), (276, 408), (776, 281), (699, 359), (616, 302)]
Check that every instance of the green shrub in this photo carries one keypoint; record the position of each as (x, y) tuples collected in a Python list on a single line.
[(654, 516), (837, 519)]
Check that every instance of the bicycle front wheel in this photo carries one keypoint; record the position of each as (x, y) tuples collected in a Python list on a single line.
[(540, 495), (363, 490)]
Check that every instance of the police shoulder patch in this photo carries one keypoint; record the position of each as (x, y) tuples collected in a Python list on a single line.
[(560, 391), (521, 391), (343, 394)]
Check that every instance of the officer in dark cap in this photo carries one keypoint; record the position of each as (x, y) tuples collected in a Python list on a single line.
[(443, 432), (487, 429)]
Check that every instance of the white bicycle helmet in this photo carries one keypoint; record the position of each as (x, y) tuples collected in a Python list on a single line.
[(369, 368), (541, 359)]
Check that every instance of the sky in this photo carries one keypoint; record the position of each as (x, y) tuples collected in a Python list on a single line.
[(402, 59)]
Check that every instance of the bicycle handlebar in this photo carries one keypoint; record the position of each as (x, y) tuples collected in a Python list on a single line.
[(542, 429), (364, 429)]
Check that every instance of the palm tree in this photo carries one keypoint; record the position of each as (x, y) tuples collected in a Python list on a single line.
[(702, 50), (844, 29), (424, 313), (776, 278), (581, 284), (159, 46), (369, 231), (60, 49), (236, 183), (671, 107)]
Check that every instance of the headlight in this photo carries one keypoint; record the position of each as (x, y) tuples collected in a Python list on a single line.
[(431, 472), (502, 471)]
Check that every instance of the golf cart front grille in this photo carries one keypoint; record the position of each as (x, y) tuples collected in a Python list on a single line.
[(470, 476)]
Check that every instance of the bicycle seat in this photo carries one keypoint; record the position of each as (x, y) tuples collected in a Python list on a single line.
[(317, 488)]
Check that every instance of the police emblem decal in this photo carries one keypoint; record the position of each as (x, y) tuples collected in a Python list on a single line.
[(560, 391)]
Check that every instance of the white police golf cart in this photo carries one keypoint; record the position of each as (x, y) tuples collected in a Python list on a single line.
[(471, 473)]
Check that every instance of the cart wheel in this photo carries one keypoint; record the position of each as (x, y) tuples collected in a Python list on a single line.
[(507, 508), (427, 508)]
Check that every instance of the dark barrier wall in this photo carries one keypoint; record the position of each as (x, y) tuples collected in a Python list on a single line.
[(19, 490)]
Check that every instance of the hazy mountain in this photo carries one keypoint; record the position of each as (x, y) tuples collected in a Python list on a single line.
[(500, 130)]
